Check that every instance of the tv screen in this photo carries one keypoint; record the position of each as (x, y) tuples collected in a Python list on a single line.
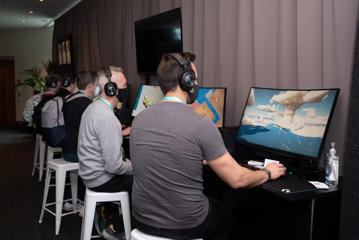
[(146, 96), (290, 123), (210, 103), (156, 35)]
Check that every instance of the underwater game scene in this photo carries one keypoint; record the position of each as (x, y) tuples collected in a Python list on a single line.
[(288, 120)]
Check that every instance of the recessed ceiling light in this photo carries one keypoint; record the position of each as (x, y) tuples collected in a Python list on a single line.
[(31, 12), (41, 0)]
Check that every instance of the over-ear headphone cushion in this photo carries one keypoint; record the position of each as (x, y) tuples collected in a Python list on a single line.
[(110, 89), (51, 84), (66, 82), (186, 79)]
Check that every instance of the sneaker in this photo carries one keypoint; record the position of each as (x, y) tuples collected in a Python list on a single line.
[(109, 234), (70, 207)]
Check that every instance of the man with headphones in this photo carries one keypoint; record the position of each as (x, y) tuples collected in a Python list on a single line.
[(103, 164), (68, 85), (169, 143), (53, 84)]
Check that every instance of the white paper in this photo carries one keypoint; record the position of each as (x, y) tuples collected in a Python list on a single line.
[(319, 185), (268, 161)]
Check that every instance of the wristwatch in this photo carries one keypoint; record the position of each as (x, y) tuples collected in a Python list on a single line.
[(269, 174)]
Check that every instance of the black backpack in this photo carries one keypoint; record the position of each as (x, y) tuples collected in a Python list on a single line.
[(36, 117)]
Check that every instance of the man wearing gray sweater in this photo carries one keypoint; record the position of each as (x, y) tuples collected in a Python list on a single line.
[(103, 165), (99, 149)]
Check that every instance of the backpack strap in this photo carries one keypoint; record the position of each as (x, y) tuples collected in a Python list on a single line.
[(58, 112)]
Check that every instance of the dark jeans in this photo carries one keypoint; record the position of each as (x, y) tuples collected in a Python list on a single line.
[(70, 157), (118, 183), (217, 225)]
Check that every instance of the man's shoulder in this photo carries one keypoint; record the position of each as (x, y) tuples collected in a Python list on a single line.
[(77, 99), (98, 110)]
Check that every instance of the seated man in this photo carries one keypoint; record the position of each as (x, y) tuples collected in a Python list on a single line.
[(53, 84), (168, 145), (103, 165), (75, 105)]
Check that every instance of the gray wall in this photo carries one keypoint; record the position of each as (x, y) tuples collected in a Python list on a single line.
[(28, 47)]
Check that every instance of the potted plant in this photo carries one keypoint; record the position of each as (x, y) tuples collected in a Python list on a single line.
[(33, 76)]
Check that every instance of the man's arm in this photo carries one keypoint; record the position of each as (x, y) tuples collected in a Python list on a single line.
[(237, 176)]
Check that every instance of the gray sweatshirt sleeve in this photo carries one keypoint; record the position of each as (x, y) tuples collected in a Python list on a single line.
[(110, 136)]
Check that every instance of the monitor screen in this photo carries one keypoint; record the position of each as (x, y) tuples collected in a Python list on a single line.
[(155, 36), (146, 96), (210, 103), (290, 123)]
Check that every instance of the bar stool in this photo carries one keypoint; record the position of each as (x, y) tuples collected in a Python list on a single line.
[(138, 235), (92, 198), (39, 156), (60, 167)]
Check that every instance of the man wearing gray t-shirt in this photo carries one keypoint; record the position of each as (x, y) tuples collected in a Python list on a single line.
[(169, 143)]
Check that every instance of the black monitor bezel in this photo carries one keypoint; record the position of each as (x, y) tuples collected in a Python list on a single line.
[(278, 154), (224, 103)]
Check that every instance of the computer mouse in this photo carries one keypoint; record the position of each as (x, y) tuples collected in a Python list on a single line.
[(285, 190)]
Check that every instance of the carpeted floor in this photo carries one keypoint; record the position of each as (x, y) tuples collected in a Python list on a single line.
[(21, 194)]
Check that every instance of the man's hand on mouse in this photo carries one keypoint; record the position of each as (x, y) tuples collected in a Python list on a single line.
[(277, 170)]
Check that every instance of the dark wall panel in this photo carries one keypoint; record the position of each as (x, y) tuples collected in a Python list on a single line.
[(349, 228)]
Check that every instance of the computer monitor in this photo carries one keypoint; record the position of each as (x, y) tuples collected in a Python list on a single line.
[(211, 103), (287, 124), (146, 96)]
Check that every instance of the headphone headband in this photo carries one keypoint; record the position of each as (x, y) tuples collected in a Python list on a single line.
[(179, 59)]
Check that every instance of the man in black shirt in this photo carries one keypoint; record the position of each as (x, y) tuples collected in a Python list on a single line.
[(75, 105)]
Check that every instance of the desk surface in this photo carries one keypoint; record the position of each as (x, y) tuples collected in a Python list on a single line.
[(300, 195)]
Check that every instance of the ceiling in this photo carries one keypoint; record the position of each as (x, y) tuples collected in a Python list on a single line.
[(14, 14)]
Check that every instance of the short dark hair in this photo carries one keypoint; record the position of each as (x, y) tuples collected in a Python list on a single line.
[(84, 78), (168, 70), (52, 78)]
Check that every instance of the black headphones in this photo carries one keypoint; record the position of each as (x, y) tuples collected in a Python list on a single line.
[(186, 77), (110, 87), (66, 81), (51, 84)]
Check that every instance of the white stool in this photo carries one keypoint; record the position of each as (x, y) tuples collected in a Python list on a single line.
[(138, 235), (92, 198), (39, 156), (60, 167)]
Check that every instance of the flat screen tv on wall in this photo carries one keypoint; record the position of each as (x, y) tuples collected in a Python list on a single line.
[(156, 35)]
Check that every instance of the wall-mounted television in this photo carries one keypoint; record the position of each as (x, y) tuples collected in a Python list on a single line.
[(287, 124), (156, 35), (211, 103)]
